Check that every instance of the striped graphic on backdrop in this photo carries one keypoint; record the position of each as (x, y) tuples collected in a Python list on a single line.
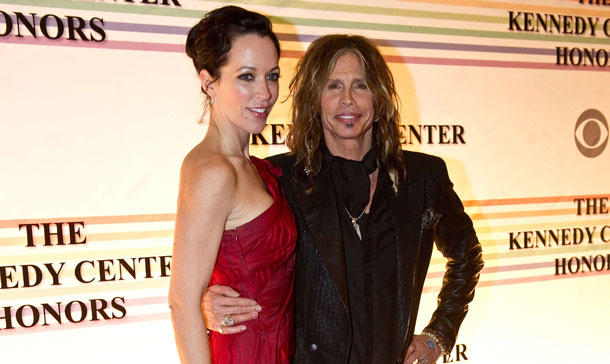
[(151, 236), (454, 33)]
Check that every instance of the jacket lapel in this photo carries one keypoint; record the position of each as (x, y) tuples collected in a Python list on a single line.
[(320, 211), (407, 210), (406, 213)]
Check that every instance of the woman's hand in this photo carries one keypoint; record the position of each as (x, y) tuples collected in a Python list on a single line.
[(423, 349), (220, 301)]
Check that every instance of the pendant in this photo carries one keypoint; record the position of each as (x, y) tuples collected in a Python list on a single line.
[(356, 227)]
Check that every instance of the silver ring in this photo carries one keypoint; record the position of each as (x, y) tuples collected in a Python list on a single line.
[(227, 321), (422, 360)]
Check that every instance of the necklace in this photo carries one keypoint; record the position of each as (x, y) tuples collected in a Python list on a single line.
[(355, 219)]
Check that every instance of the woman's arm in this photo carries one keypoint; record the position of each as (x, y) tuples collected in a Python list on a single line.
[(205, 201)]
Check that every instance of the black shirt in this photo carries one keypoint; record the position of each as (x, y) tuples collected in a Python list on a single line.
[(367, 261)]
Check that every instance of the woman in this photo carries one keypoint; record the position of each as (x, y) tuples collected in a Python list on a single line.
[(362, 258), (233, 225)]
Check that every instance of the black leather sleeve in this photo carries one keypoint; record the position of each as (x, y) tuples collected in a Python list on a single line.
[(457, 241)]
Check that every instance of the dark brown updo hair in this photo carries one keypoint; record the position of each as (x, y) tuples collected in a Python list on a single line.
[(209, 41)]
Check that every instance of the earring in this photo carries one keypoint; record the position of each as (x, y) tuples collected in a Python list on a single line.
[(376, 119), (308, 170), (211, 101)]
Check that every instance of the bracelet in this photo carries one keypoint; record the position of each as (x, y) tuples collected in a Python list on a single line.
[(434, 336)]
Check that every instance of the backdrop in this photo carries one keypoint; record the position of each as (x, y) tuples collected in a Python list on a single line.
[(99, 105)]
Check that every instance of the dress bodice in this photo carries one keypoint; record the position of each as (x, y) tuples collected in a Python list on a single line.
[(257, 260)]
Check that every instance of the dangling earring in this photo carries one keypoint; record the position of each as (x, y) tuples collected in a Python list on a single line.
[(376, 119), (308, 170)]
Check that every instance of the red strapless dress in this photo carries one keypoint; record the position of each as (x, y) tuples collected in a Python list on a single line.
[(257, 260)]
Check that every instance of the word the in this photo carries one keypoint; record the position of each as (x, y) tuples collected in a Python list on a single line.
[(74, 233), (592, 206)]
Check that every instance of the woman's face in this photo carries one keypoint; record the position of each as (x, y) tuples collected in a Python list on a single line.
[(248, 85), (347, 105)]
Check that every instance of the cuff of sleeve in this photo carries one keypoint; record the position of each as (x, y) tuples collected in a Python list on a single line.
[(437, 339)]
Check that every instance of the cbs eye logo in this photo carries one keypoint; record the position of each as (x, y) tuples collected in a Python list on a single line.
[(591, 133)]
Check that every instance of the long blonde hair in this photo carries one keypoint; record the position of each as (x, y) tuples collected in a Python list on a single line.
[(306, 88)]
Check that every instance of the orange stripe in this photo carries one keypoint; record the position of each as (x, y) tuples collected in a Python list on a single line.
[(536, 226), (164, 234), (96, 287), (120, 219), (131, 235), (535, 252), (91, 220), (595, 11), (510, 281), (529, 213), (527, 200), (66, 325)]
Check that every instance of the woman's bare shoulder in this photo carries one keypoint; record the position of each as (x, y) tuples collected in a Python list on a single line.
[(204, 171)]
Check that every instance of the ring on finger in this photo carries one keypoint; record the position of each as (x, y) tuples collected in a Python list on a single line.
[(227, 321), (422, 360)]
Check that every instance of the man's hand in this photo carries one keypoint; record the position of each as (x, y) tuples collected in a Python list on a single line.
[(219, 301), (423, 349)]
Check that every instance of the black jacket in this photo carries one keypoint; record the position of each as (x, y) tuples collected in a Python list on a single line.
[(424, 210)]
